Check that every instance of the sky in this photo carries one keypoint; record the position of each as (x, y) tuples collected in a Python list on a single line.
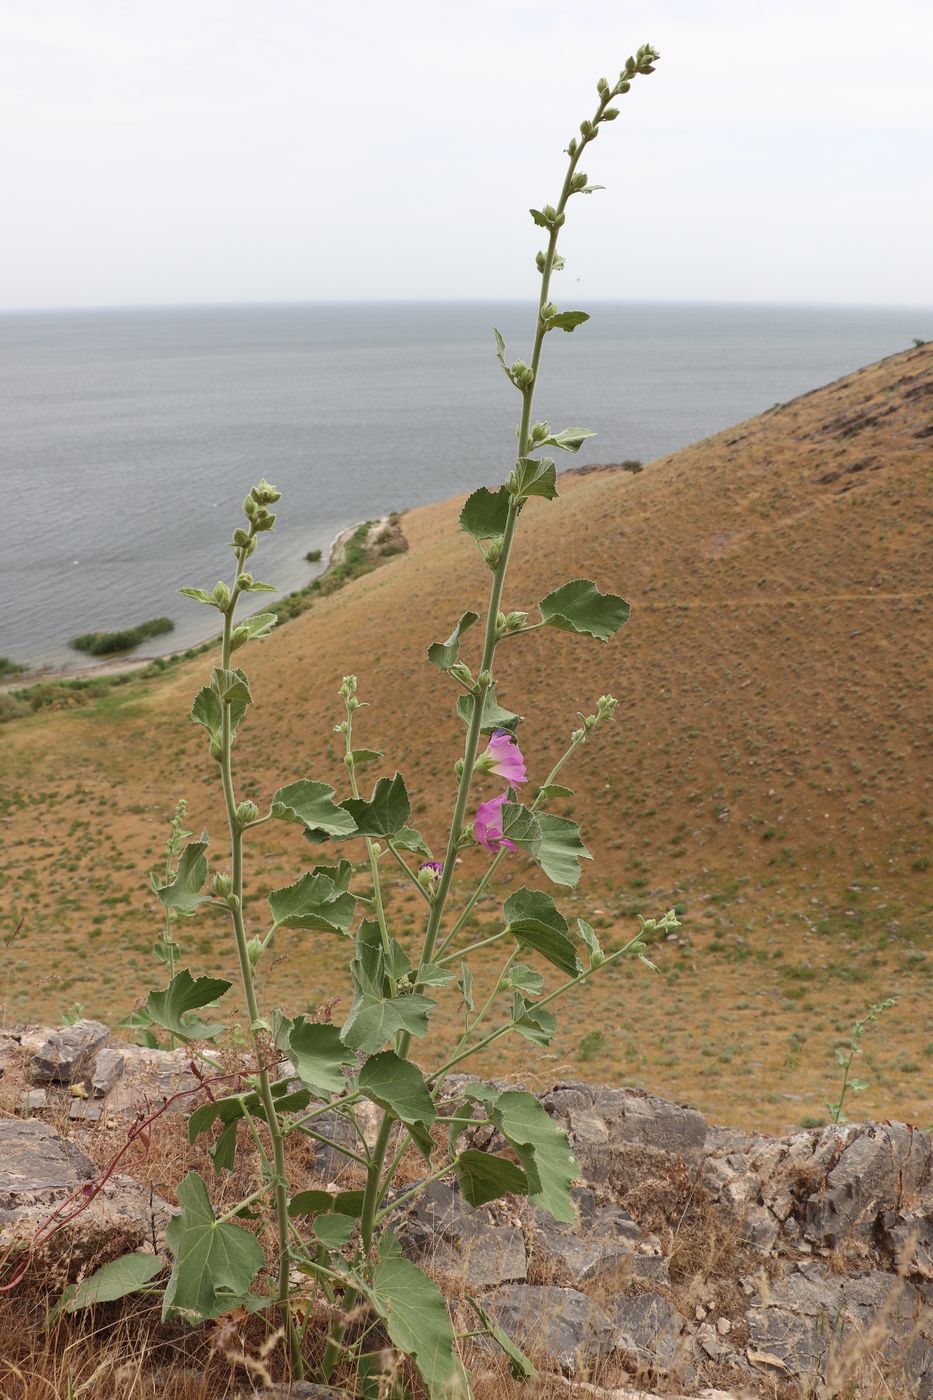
[(202, 151)]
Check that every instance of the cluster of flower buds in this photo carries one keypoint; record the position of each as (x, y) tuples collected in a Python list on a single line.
[(605, 706), (510, 622), (521, 375)]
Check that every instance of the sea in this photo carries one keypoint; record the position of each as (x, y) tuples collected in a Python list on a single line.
[(128, 438)]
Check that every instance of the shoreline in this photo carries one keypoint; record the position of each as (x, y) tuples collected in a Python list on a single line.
[(122, 665)]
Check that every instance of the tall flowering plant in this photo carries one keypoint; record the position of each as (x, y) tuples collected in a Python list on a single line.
[(340, 1250)]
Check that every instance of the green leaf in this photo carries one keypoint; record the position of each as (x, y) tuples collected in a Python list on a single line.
[(568, 439), (588, 934), (397, 1086), (494, 716), (183, 892), (519, 1365), (407, 839), (418, 1323), (579, 607), (443, 655), (550, 790), (313, 1202), (484, 1177), (485, 513), (532, 1022), (231, 687), (200, 595), (433, 975), (253, 629), (567, 320), (533, 919), (374, 1019), (500, 352), (543, 1150), (214, 1264), (319, 1056), (857, 1086), (363, 757), (111, 1281), (311, 805), (535, 477), (171, 1009), (589, 189), (313, 902), (385, 813), (465, 984), (525, 979), (540, 219), (257, 586), (520, 824), (560, 849), (397, 961), (334, 1230)]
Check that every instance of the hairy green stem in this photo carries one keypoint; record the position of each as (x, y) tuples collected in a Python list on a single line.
[(249, 990)]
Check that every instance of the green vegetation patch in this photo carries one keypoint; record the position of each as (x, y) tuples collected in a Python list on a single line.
[(105, 643)]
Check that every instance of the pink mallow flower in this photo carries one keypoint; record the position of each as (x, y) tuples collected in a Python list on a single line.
[(488, 825), (503, 757)]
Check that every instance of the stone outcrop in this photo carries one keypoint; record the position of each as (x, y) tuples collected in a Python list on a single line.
[(702, 1256)]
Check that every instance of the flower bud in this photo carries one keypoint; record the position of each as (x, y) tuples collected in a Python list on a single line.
[(429, 875), (517, 369), (539, 432), (353, 703), (572, 146), (232, 903), (590, 723), (249, 507), (515, 620), (348, 686), (548, 311), (528, 377), (606, 704), (217, 749), (265, 494), (240, 537), (611, 113), (578, 181), (493, 553), (220, 886), (586, 128), (263, 519), (254, 951), (483, 680), (246, 812), (462, 673), (539, 261), (244, 582), (221, 594), (602, 86), (550, 212), (458, 768)]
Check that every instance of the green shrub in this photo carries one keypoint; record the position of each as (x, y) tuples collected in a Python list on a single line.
[(105, 643)]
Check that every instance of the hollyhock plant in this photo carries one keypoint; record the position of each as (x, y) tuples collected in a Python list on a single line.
[(488, 825)]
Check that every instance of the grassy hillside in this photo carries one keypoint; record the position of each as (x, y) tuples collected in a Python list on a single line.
[(766, 769)]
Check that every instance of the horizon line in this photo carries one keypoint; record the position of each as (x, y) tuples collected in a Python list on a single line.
[(263, 303)]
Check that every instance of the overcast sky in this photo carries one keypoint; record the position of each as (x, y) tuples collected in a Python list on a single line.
[(171, 151)]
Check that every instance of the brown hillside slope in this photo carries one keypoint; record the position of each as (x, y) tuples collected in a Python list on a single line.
[(765, 768)]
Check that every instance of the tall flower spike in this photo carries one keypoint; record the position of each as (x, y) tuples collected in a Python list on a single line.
[(488, 825)]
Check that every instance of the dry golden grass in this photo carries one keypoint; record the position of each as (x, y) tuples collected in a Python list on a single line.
[(764, 771)]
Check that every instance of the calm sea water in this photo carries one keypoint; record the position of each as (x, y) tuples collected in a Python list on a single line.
[(129, 438)]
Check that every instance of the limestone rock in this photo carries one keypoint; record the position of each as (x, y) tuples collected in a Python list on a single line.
[(607, 1125), (68, 1052), (40, 1170), (649, 1331), (569, 1328), (460, 1243)]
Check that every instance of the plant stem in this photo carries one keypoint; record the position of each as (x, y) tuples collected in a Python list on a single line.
[(249, 991)]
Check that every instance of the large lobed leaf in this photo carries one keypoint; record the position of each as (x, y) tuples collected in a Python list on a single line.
[(313, 902), (418, 1323), (385, 813), (214, 1264), (578, 606), (446, 654), (172, 1008), (312, 806), (485, 513), (114, 1280), (534, 920), (183, 892), (543, 1150)]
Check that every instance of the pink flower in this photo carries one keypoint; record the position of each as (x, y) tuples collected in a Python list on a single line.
[(488, 825), (504, 757)]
